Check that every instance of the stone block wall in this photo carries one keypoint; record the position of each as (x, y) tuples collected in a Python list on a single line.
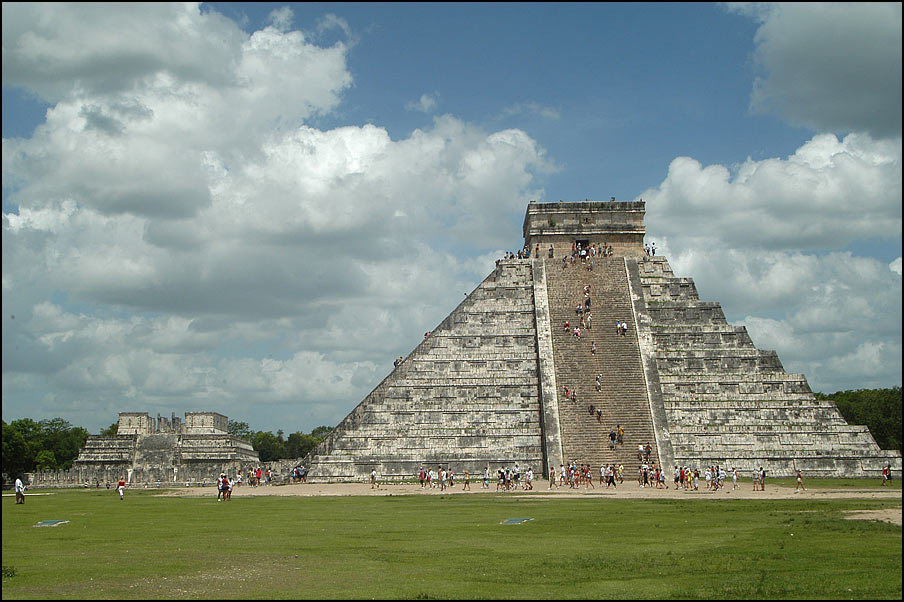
[(618, 224), (134, 423), (205, 422)]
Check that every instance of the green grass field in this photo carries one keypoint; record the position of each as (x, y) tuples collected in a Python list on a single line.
[(445, 547)]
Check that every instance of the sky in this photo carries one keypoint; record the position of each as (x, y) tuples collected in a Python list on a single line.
[(253, 209)]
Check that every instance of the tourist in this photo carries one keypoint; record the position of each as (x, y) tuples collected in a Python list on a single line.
[(599, 415), (800, 482), (373, 479), (121, 486), (886, 474), (589, 319), (612, 439), (610, 477), (734, 479), (677, 479), (422, 476), (599, 382), (20, 491), (467, 486), (621, 435), (762, 479), (223, 486), (529, 479), (592, 348), (756, 479), (486, 477), (552, 477)]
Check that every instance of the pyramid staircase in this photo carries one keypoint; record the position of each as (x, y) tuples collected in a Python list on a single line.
[(623, 396)]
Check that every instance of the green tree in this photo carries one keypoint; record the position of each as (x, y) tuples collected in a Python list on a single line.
[(14, 452), (321, 432), (269, 446), (63, 439), (240, 429), (110, 430), (25, 439), (300, 444), (45, 460)]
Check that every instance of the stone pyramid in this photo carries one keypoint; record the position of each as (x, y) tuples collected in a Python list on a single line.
[(487, 387)]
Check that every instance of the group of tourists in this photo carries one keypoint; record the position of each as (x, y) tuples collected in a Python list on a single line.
[(650, 249), (299, 474), (575, 476), (224, 488), (585, 255), (508, 478), (439, 478), (715, 476)]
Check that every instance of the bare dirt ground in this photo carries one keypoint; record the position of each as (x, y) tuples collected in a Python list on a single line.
[(541, 491)]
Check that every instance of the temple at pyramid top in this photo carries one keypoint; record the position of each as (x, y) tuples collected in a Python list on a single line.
[(617, 224)]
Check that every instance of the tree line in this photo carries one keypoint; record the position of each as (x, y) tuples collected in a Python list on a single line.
[(272, 447), (54, 444)]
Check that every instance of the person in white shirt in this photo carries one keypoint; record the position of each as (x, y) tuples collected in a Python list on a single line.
[(20, 492)]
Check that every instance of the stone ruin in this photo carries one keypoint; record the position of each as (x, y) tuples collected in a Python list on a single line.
[(169, 450), (486, 387)]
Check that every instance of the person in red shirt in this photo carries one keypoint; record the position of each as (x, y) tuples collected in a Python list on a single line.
[(121, 487)]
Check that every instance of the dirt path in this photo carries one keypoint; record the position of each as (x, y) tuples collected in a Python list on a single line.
[(626, 490)]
